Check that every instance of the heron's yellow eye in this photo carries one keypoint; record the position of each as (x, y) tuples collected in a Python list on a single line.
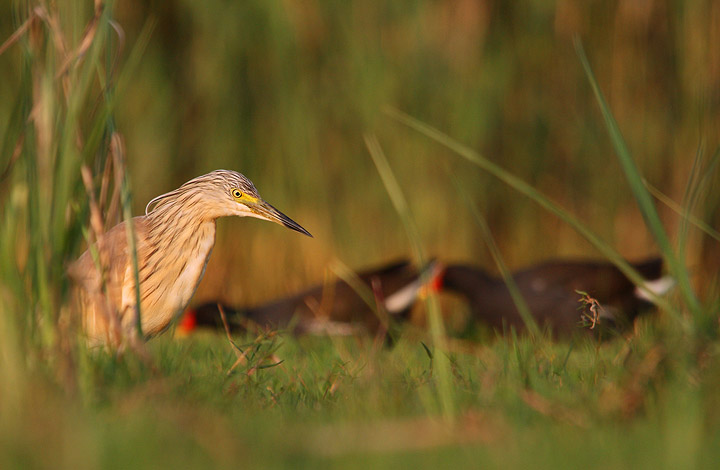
[(237, 194)]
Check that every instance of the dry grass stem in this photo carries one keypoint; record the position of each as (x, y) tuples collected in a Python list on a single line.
[(100, 256), (85, 42), (21, 30), (17, 151), (597, 311), (239, 353)]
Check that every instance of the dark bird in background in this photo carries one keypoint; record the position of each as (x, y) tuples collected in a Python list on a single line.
[(333, 308), (549, 289)]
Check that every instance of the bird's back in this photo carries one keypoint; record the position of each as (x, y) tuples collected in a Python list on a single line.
[(549, 290), (328, 304), (337, 301), (95, 290)]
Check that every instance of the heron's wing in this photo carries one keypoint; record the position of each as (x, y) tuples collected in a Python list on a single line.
[(113, 256)]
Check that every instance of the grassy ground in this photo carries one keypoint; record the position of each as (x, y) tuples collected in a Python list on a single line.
[(146, 96), (346, 403)]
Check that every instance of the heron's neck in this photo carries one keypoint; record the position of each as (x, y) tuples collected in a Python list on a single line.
[(200, 243)]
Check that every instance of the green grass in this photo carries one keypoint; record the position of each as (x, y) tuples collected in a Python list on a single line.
[(344, 403), (285, 93)]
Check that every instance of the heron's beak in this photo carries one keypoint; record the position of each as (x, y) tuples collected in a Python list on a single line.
[(268, 212)]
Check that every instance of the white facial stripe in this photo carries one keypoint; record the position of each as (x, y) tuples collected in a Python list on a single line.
[(658, 287)]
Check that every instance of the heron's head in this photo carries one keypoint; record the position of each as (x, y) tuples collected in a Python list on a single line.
[(222, 193)]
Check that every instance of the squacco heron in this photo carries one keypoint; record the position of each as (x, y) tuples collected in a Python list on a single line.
[(173, 243)]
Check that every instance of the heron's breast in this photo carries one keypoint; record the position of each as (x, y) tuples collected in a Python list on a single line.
[(181, 278)]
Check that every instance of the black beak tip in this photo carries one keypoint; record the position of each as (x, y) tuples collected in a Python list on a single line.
[(269, 212), (298, 228), (305, 232)]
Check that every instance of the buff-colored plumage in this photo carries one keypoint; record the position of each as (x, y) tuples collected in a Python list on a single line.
[(174, 240)]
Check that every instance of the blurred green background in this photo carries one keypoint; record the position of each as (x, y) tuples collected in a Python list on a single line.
[(284, 91)]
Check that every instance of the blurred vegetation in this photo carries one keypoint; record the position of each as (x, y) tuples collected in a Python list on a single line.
[(285, 92)]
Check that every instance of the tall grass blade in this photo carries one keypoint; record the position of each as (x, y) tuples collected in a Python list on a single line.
[(121, 181), (698, 188), (679, 210), (486, 233), (437, 328), (67, 165), (642, 196), (689, 200)]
